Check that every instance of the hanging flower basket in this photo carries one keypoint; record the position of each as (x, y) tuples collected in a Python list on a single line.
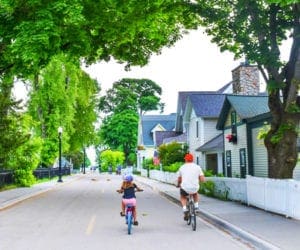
[(231, 138)]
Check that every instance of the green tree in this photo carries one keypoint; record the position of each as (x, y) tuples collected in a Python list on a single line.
[(130, 31), (256, 29), (12, 120), (33, 31), (110, 157), (138, 95), (119, 131), (63, 95)]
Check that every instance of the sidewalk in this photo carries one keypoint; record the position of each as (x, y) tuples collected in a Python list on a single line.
[(261, 229), (13, 196)]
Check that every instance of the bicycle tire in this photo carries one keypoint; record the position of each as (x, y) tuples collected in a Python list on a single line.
[(129, 222), (189, 214), (193, 217)]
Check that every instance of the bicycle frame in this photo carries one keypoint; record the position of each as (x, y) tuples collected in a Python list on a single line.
[(129, 217)]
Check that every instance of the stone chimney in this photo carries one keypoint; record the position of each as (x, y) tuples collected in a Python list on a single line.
[(245, 79)]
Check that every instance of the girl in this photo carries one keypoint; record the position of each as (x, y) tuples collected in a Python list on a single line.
[(129, 188)]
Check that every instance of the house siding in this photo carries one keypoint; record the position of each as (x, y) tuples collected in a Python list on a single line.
[(195, 141), (207, 130), (260, 155), (296, 173), (235, 149)]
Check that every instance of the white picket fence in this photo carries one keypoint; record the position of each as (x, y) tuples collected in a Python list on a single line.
[(278, 196)]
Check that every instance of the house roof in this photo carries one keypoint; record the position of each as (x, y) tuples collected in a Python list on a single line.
[(161, 135), (246, 106), (207, 105), (182, 138), (181, 104), (149, 122), (215, 144)]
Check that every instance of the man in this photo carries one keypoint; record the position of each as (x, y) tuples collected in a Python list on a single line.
[(189, 175)]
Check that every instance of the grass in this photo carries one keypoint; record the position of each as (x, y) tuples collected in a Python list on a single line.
[(8, 187)]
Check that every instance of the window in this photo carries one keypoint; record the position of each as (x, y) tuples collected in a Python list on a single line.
[(197, 129)]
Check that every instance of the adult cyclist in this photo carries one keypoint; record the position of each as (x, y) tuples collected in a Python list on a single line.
[(189, 176)]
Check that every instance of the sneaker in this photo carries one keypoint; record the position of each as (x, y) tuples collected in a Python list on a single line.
[(186, 215), (122, 214), (135, 223)]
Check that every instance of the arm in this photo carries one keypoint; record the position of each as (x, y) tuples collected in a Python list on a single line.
[(137, 188), (201, 178)]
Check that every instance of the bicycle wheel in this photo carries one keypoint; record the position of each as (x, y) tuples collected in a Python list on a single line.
[(193, 217), (129, 222), (189, 214)]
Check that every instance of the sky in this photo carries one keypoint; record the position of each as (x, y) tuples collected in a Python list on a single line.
[(192, 64)]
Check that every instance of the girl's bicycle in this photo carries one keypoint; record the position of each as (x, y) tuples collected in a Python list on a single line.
[(129, 217), (191, 212), (129, 213)]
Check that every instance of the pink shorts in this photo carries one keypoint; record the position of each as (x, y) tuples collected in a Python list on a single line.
[(131, 201)]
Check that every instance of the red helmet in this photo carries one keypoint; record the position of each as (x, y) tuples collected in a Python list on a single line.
[(189, 157)]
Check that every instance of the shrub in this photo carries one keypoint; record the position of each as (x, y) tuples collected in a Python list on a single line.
[(207, 188), (24, 177), (173, 167), (171, 153)]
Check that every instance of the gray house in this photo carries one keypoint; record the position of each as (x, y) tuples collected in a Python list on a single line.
[(241, 119)]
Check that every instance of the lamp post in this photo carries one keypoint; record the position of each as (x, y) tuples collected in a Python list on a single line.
[(60, 130)]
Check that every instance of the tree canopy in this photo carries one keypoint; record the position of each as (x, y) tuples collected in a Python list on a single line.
[(33, 31)]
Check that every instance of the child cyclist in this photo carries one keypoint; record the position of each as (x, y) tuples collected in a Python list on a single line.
[(128, 189)]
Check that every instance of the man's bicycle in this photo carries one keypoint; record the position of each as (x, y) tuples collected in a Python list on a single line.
[(191, 213)]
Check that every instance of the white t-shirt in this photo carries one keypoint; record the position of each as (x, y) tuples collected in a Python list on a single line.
[(190, 173)]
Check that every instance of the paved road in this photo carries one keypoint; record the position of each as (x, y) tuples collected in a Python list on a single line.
[(84, 214)]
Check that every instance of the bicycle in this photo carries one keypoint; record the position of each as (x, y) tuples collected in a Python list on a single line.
[(129, 210), (129, 217), (191, 211)]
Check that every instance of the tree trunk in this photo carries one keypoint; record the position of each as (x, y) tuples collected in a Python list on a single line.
[(281, 144)]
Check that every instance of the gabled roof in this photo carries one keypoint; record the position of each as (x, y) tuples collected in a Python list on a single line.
[(149, 122), (162, 135), (246, 106), (215, 144), (207, 105), (182, 138)]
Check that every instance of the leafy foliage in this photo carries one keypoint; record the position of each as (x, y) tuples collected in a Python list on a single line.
[(138, 95), (62, 96), (171, 153), (173, 168), (111, 158), (119, 131)]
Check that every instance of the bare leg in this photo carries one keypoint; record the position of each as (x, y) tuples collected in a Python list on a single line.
[(123, 207), (183, 200), (134, 214), (196, 197)]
